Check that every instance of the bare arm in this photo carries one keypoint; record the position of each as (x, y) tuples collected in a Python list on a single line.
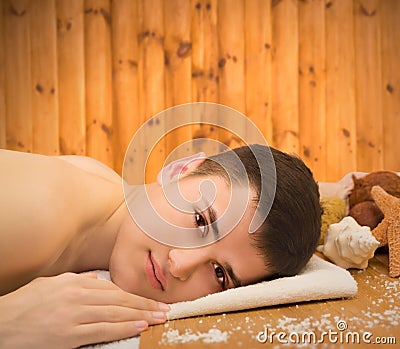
[(30, 208), (44, 202), (71, 310)]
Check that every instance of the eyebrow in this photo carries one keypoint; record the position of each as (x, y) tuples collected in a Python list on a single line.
[(232, 275), (213, 217)]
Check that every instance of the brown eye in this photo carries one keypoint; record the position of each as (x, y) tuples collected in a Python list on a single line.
[(220, 274), (201, 223)]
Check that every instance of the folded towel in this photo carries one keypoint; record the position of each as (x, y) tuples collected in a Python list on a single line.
[(319, 280)]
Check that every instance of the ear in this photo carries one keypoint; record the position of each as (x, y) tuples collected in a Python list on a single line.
[(178, 167)]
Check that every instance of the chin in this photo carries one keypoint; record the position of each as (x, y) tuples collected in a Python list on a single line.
[(129, 281)]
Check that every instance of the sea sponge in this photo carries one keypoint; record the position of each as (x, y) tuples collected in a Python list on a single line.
[(334, 210), (362, 206), (366, 213), (387, 180)]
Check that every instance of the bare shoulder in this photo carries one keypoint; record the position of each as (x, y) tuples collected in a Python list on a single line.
[(45, 203), (92, 166)]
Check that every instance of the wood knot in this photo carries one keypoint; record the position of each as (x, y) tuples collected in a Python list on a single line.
[(306, 151), (197, 74), (389, 88), (19, 13), (184, 49), (221, 62), (345, 132), (39, 88), (107, 130), (367, 13)]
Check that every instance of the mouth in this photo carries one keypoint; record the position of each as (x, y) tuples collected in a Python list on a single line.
[(154, 273)]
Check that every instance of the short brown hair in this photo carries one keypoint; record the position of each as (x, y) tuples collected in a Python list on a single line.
[(289, 235)]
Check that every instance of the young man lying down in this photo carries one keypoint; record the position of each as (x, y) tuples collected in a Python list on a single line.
[(60, 216)]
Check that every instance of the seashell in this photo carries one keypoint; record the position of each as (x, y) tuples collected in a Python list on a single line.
[(348, 244)]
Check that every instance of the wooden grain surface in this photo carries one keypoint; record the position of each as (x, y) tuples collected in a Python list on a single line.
[(312, 85), (71, 77), (374, 309), (3, 142), (340, 90), (17, 70), (320, 78), (45, 119), (125, 57), (368, 84), (98, 80)]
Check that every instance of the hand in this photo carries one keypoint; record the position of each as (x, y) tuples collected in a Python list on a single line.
[(71, 310)]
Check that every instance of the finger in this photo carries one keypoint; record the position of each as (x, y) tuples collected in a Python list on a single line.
[(121, 298), (90, 274), (111, 313), (103, 292), (107, 332), (93, 283)]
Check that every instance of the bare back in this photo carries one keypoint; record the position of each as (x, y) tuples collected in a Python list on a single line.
[(45, 204)]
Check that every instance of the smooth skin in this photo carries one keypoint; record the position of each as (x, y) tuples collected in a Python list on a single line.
[(49, 208), (60, 216)]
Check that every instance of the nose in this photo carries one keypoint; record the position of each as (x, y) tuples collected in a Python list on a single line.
[(183, 263)]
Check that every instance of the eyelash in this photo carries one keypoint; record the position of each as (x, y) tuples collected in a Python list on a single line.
[(197, 217), (223, 281)]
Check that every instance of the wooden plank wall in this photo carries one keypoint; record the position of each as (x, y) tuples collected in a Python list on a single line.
[(320, 78)]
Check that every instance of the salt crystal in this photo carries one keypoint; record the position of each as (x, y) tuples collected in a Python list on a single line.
[(212, 336)]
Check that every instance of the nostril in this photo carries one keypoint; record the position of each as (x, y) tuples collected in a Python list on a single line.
[(171, 265), (176, 269)]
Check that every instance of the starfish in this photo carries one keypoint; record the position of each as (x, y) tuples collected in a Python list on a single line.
[(388, 230)]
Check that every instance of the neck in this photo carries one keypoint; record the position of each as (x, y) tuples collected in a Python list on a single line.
[(92, 248)]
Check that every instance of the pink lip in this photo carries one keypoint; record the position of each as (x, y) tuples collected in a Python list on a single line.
[(154, 273)]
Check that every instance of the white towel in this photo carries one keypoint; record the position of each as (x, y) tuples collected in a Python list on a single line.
[(319, 280)]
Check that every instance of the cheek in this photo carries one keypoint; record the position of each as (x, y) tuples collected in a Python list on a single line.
[(171, 215), (127, 257), (199, 285)]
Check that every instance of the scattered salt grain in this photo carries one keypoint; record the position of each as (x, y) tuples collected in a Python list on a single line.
[(369, 318), (212, 336)]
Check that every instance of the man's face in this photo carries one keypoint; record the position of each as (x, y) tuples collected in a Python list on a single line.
[(141, 265)]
